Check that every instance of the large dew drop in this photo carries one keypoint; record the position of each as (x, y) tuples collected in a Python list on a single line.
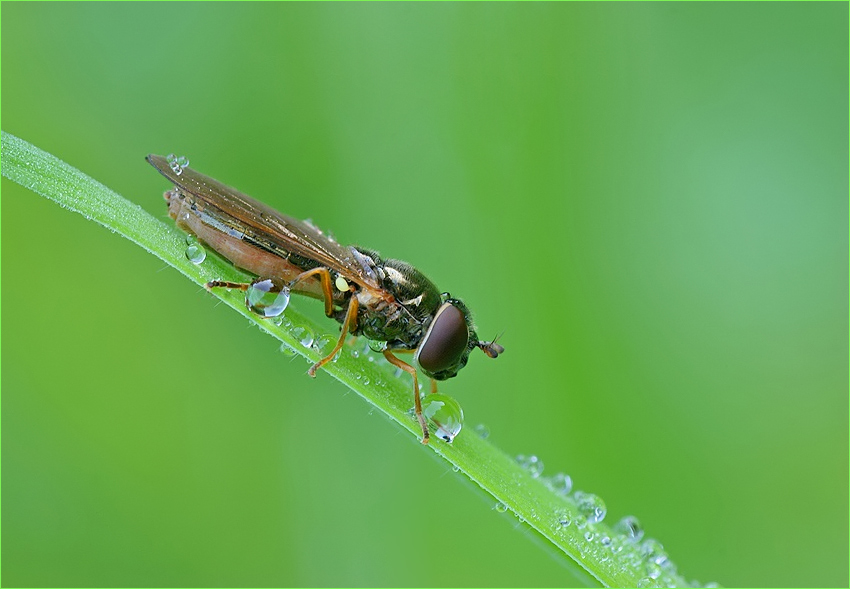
[(196, 253), (267, 299), (446, 415)]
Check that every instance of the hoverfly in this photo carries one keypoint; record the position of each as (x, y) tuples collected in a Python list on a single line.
[(382, 299)]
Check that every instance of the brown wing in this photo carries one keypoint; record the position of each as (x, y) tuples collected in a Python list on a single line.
[(267, 227)]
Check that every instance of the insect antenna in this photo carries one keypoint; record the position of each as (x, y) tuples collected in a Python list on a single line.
[(491, 348)]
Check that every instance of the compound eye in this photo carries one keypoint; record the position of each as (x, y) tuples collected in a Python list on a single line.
[(445, 341)]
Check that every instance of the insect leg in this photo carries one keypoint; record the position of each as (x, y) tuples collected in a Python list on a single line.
[(349, 324), (433, 386), (417, 403), (325, 276)]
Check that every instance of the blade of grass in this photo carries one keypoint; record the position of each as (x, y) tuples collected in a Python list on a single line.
[(595, 551)]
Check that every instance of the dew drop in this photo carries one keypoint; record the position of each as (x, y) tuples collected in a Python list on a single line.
[(531, 463), (266, 298), (591, 506), (561, 483), (455, 468), (355, 354), (501, 507), (286, 350), (376, 345), (630, 528), (564, 519), (196, 253), (588, 536), (445, 413), (483, 431), (653, 551), (177, 163), (580, 522), (304, 335), (648, 582)]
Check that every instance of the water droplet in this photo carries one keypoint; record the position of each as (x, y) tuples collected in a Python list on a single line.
[(501, 507), (355, 354), (588, 536), (591, 506), (531, 463), (267, 298), (580, 522), (605, 540), (629, 527), (286, 350), (455, 468), (324, 343), (376, 345), (177, 163), (561, 483), (564, 519), (196, 253), (445, 413), (304, 335), (653, 551), (648, 582), (483, 431)]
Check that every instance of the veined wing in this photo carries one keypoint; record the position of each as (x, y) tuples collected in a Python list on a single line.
[(264, 226)]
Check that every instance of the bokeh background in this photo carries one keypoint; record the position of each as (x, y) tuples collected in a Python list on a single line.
[(650, 200)]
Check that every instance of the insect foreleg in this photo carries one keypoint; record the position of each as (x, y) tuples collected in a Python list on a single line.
[(417, 403)]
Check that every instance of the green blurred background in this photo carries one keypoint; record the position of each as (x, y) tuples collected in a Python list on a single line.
[(649, 199)]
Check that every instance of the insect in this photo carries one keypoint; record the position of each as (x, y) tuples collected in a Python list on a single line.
[(382, 299)]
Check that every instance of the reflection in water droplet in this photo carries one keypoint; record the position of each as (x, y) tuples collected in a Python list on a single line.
[(501, 507), (629, 527), (445, 413), (531, 463), (267, 298), (483, 431), (196, 253), (591, 506)]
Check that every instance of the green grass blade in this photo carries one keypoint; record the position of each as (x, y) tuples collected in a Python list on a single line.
[(596, 552)]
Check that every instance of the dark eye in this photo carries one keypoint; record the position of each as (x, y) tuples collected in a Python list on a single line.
[(445, 341)]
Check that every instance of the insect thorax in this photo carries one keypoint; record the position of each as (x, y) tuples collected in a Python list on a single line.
[(402, 323)]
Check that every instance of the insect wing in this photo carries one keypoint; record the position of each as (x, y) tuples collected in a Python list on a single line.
[(264, 226)]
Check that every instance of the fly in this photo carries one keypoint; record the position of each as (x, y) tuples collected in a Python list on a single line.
[(382, 299)]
